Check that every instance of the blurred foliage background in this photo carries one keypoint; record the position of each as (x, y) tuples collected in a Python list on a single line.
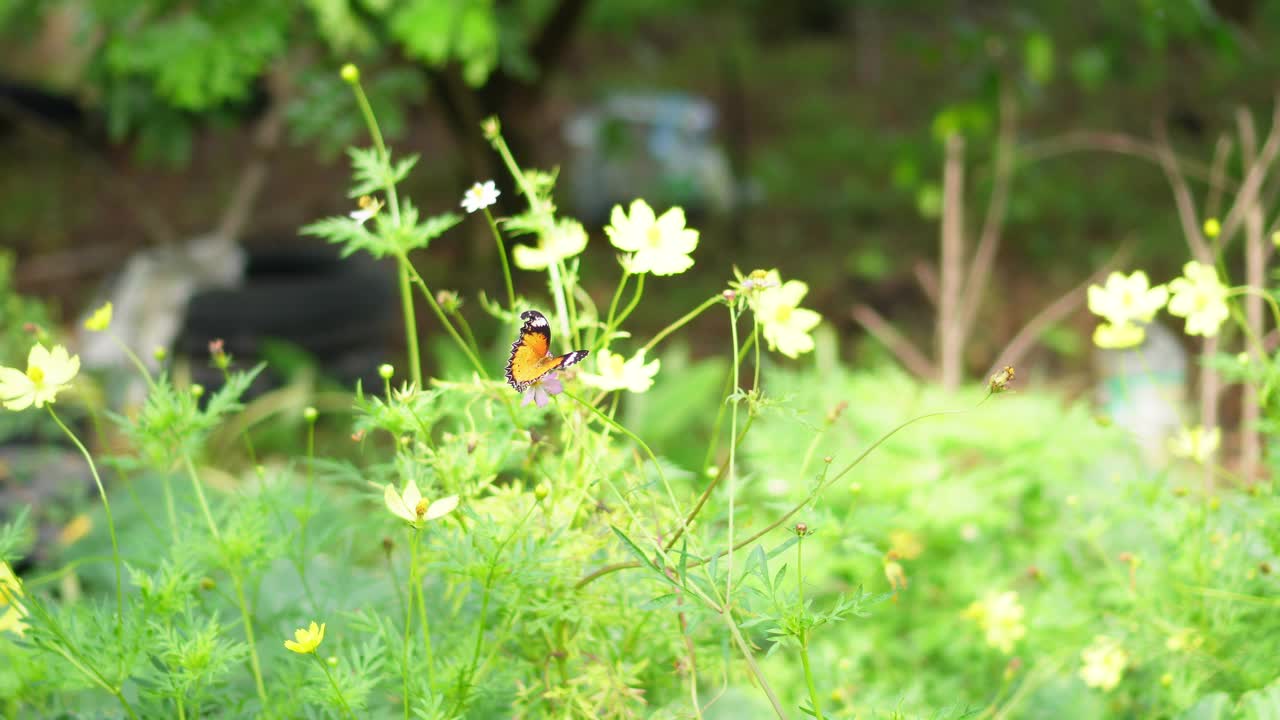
[(126, 124)]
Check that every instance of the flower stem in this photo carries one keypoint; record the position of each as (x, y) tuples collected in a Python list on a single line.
[(106, 507), (609, 325), (408, 619), (502, 255), (444, 319), (682, 321), (334, 683), (236, 582), (804, 634), (635, 300), (410, 320), (426, 626), (733, 447)]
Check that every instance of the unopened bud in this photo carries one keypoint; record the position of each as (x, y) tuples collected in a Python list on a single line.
[(385, 371), (729, 296), (802, 529), (1000, 381), (448, 300), (490, 128), (541, 491), (197, 390), (350, 74), (207, 584), (310, 414), (160, 354)]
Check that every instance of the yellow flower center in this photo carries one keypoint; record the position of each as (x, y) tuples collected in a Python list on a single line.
[(35, 374), (783, 314), (653, 237), (421, 508), (616, 364)]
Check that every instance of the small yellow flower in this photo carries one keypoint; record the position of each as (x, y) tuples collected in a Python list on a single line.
[(48, 373), (11, 611), (564, 240), (1103, 663), (786, 325), (368, 208), (414, 509), (79, 526), (1127, 298), (1000, 616), (1201, 298), (1118, 337), (896, 576), (1195, 443), (1212, 228), (619, 373), (659, 244), (100, 319), (905, 544), (306, 640)]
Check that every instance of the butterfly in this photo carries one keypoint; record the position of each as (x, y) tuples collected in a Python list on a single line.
[(531, 357)]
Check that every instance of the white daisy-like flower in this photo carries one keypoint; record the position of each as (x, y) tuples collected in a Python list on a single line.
[(659, 244), (414, 509), (786, 325), (480, 196), (619, 373), (368, 208)]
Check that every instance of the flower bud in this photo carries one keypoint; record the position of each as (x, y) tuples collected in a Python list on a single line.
[(490, 128), (1000, 381), (197, 390), (385, 371), (310, 414), (1212, 228), (207, 583), (541, 491), (448, 300), (160, 354), (350, 74), (802, 529)]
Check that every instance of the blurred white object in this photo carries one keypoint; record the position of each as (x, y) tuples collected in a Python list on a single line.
[(1144, 389), (150, 295), (657, 146)]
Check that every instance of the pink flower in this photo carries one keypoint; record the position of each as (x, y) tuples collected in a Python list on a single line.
[(541, 391)]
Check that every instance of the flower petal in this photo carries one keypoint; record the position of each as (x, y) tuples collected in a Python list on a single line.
[(442, 507)]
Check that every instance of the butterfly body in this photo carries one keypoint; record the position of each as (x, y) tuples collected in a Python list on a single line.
[(531, 358)]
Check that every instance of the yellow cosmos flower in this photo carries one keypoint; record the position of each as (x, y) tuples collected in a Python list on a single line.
[(1126, 298), (48, 373), (11, 611), (1196, 443), (1000, 615), (1103, 663), (786, 325), (100, 319), (414, 509), (564, 240), (659, 245), (1200, 297), (306, 640), (1118, 337), (619, 373)]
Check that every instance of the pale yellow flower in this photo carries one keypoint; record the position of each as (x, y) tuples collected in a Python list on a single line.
[(306, 640), (100, 319), (1000, 616), (1127, 298), (79, 526), (11, 611), (619, 373), (660, 245), (1118, 337), (1201, 298), (1195, 443), (564, 240), (786, 325), (1103, 663), (48, 373), (896, 575), (905, 544), (414, 509)]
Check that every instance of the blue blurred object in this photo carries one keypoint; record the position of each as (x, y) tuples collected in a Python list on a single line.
[(658, 146)]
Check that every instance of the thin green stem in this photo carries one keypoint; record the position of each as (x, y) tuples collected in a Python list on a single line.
[(247, 617), (804, 634), (236, 580), (610, 325), (747, 655), (466, 330), (733, 448), (635, 300), (408, 619), (502, 254), (426, 626), (562, 306), (444, 319), (636, 439), (410, 319), (337, 691), (106, 507), (684, 320)]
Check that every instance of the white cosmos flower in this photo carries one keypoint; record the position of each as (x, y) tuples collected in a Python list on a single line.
[(480, 196), (619, 373)]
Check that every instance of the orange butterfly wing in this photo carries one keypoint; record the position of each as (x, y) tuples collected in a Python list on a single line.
[(530, 353)]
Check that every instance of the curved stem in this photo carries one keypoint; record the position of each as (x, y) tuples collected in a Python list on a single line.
[(408, 621), (635, 300), (609, 325), (502, 254), (106, 507), (804, 634), (334, 683), (662, 334), (410, 320), (733, 448)]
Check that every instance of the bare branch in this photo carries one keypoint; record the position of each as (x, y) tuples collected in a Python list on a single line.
[(1181, 197), (950, 348), (975, 283), (1218, 171), (911, 358), (927, 277), (1252, 184)]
